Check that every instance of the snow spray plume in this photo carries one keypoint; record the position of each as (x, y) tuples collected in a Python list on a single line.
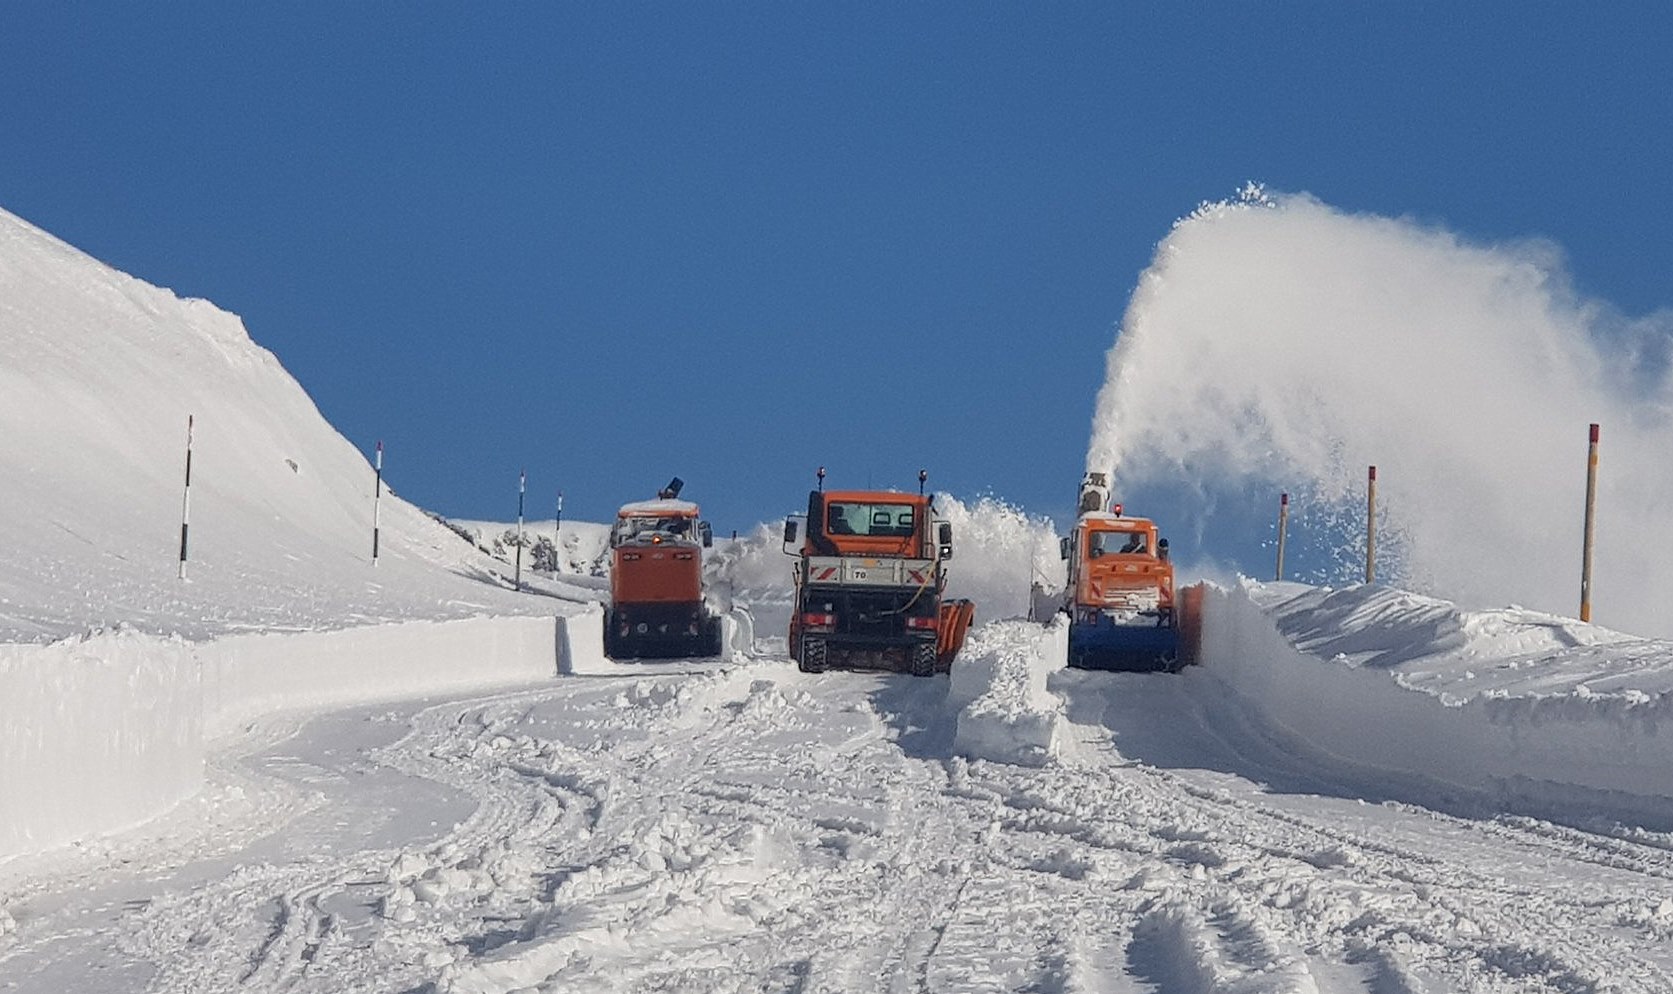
[(1279, 344)]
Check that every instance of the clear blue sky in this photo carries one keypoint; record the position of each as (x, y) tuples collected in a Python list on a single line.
[(617, 242)]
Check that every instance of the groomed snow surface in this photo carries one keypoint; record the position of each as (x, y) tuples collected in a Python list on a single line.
[(298, 771)]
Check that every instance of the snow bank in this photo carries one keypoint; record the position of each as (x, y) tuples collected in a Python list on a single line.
[(96, 733), (250, 675), (1402, 687), (998, 685), (103, 732)]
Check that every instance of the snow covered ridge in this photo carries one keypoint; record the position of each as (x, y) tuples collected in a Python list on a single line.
[(1506, 708)]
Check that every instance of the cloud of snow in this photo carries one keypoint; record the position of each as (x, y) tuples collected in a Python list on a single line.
[(1277, 343)]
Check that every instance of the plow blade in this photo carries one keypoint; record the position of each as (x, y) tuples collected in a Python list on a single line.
[(1142, 648), (955, 622), (1167, 646)]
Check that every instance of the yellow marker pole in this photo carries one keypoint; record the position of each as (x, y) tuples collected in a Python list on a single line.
[(1283, 521), (1591, 528), (1371, 526)]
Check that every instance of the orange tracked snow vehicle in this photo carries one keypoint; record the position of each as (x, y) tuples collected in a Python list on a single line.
[(870, 573), (656, 581), (1124, 611)]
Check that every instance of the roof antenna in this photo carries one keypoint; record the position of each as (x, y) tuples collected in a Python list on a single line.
[(923, 475), (821, 475)]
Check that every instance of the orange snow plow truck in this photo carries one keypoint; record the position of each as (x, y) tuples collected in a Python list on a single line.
[(1124, 612), (870, 572), (656, 581)]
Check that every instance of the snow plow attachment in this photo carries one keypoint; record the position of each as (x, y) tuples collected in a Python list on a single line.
[(1098, 641), (955, 622)]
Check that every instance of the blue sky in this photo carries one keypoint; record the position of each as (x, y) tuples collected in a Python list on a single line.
[(733, 242)]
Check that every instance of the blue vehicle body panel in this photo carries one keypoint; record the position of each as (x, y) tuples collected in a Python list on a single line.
[(1105, 645)]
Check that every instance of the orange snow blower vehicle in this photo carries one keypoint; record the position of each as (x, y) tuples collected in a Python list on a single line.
[(1124, 611), (657, 608), (870, 572)]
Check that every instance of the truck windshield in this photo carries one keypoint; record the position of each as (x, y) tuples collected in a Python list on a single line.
[(878, 520), (627, 528), (1106, 543)]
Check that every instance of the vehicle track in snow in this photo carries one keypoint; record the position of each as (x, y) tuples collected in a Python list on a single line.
[(750, 827)]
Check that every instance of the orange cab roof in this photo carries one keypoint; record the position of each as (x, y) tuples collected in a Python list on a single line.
[(875, 497)]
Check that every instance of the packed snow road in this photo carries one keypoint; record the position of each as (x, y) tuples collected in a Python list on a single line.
[(751, 828)]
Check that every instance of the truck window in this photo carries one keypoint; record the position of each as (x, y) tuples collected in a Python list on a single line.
[(1108, 543), (874, 520), (633, 527)]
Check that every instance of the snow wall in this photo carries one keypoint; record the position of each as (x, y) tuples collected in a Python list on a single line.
[(1553, 755), (105, 731)]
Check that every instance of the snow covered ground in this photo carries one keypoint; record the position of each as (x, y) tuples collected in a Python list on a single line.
[(298, 771)]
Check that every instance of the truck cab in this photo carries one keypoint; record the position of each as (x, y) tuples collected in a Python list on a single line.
[(657, 606), (1122, 605), (870, 573)]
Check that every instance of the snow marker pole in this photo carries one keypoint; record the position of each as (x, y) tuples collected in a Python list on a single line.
[(522, 488), (1283, 522), (1371, 526), (1591, 528), (377, 498), (186, 498), (557, 537)]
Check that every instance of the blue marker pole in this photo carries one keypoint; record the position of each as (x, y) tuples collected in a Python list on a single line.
[(522, 488), (557, 537)]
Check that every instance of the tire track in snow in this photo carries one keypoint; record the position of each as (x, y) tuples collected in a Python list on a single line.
[(1510, 930)]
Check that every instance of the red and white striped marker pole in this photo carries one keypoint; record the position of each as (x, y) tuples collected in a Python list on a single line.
[(1371, 526), (186, 499), (522, 488), (557, 537), (1591, 528), (377, 498), (1283, 522)]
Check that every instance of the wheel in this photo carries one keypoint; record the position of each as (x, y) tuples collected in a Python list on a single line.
[(711, 637), (923, 659), (812, 656), (610, 648)]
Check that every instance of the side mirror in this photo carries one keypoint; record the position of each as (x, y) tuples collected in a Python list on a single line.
[(1162, 549), (792, 535), (1063, 547), (945, 534), (707, 534)]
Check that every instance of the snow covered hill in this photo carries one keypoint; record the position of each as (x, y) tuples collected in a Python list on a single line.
[(99, 373)]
